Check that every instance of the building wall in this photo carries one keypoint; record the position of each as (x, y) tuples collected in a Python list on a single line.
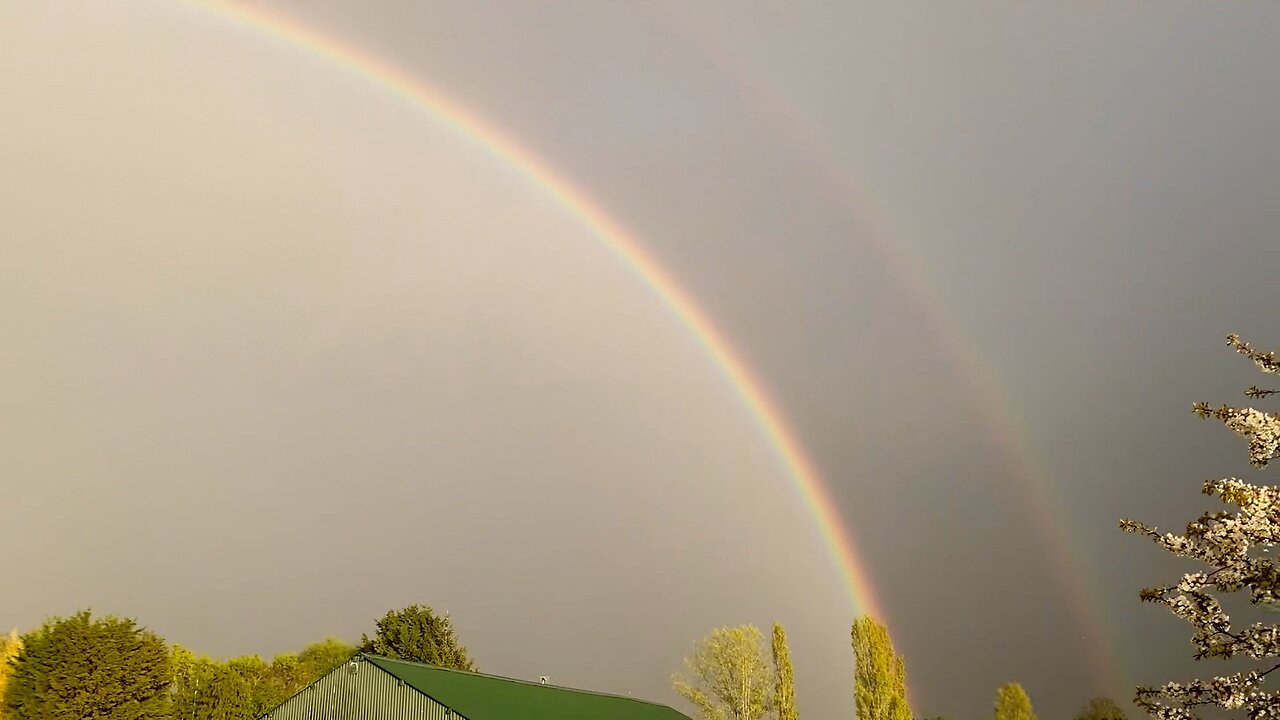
[(361, 692)]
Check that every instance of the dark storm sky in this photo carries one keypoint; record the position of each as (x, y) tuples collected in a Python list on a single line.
[(283, 353)]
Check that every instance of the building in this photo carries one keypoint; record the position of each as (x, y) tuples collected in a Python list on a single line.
[(377, 688)]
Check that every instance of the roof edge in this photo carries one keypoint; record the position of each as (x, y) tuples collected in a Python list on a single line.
[(369, 657), (504, 678)]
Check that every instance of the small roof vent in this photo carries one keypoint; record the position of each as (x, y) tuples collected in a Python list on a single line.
[(543, 679)]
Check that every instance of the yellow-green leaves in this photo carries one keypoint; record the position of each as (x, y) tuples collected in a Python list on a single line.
[(728, 676), (784, 686), (10, 646), (418, 633), (1013, 703), (880, 675)]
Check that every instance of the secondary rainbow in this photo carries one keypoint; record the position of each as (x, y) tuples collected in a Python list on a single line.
[(988, 399), (797, 466)]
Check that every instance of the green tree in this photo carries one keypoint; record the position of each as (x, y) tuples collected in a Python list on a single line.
[(729, 677), (268, 684), (319, 658), (79, 668), (1101, 708), (284, 677), (246, 687), (10, 646), (1013, 703), (204, 689), (784, 688), (880, 674), (417, 633)]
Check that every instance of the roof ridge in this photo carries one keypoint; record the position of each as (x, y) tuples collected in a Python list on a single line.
[(515, 680)]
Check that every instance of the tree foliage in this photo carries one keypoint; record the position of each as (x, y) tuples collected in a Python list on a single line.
[(1236, 546), (728, 676), (247, 687), (79, 668), (1013, 703), (880, 674), (784, 686), (10, 646), (1101, 708), (204, 689), (319, 658), (417, 633)]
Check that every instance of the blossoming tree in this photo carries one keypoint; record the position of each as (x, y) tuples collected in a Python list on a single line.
[(1235, 545)]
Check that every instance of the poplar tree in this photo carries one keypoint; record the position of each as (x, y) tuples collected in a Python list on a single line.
[(880, 674), (1237, 547), (728, 675), (1013, 703), (784, 687)]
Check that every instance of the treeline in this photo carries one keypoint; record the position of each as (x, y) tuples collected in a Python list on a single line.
[(111, 668), (733, 674)]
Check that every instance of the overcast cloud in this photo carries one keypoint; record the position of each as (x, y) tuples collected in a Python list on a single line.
[(281, 352)]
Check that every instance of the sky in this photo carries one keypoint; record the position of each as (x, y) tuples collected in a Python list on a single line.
[(283, 351)]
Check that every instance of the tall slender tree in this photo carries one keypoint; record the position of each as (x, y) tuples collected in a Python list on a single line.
[(784, 687), (1013, 703), (880, 674)]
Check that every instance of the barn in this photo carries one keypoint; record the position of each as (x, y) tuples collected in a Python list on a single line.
[(370, 687)]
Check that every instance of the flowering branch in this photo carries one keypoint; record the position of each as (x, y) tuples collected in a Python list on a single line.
[(1224, 541)]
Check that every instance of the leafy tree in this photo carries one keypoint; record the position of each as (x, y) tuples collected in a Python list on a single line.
[(319, 658), (10, 646), (1013, 703), (784, 693), (1101, 708), (284, 677), (244, 688), (880, 674), (417, 633), (204, 689), (251, 673), (268, 684), (1237, 547), (79, 668), (729, 677)]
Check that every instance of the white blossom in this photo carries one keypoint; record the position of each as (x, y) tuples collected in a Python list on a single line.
[(1224, 541)]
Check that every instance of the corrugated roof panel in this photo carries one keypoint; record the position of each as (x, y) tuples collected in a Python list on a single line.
[(361, 691), (487, 697)]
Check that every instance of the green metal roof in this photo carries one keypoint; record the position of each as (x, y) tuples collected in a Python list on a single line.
[(489, 697)]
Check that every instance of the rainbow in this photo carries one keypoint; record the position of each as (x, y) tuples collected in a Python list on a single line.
[(751, 392), (988, 399)]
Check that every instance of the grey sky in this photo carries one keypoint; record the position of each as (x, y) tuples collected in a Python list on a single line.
[(281, 353)]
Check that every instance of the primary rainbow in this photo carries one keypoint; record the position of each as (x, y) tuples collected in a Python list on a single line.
[(798, 467)]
